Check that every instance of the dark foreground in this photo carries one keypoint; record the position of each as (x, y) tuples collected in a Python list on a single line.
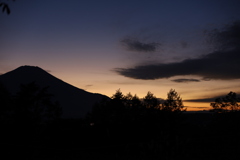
[(194, 136)]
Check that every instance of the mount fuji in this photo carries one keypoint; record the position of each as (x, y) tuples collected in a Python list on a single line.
[(75, 102)]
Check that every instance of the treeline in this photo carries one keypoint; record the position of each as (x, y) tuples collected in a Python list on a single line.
[(31, 105), (131, 109), (229, 103), (120, 127)]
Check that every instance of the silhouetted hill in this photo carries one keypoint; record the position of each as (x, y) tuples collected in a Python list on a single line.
[(75, 102)]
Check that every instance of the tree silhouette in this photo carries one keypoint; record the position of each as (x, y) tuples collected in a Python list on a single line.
[(151, 101), (120, 109), (228, 103), (118, 95), (109, 111), (136, 102), (128, 100), (5, 103), (173, 102), (33, 104)]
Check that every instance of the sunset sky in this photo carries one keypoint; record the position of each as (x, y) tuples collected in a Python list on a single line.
[(138, 46)]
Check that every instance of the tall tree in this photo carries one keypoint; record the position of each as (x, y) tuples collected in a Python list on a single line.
[(173, 102), (118, 96), (128, 100), (151, 101), (136, 102)]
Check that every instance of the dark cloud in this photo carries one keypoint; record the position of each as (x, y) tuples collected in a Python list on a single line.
[(184, 44), (184, 80), (209, 100), (135, 45), (86, 87), (222, 64), (218, 65), (198, 108), (227, 38)]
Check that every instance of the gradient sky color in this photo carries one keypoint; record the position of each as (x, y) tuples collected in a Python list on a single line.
[(98, 45)]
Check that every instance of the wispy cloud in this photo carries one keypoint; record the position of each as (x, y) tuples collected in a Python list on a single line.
[(208, 99), (184, 80), (136, 45), (86, 87), (198, 107), (223, 63), (49, 71)]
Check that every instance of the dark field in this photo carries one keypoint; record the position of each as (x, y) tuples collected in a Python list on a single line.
[(191, 136)]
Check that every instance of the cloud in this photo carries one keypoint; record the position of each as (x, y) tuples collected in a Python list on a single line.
[(86, 87), (199, 107), (184, 44), (49, 71), (209, 99), (184, 80), (135, 45), (223, 63), (227, 38), (217, 65)]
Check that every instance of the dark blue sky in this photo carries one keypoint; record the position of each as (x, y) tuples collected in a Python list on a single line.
[(104, 45)]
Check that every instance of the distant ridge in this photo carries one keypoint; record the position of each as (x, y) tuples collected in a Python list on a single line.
[(75, 102)]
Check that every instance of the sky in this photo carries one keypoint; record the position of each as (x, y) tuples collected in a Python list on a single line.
[(136, 46)]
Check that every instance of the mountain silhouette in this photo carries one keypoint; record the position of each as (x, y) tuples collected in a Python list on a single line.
[(75, 102)]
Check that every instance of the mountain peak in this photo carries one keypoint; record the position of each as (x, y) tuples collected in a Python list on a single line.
[(27, 74), (29, 68), (74, 101)]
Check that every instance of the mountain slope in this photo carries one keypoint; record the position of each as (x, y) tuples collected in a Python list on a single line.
[(75, 102)]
